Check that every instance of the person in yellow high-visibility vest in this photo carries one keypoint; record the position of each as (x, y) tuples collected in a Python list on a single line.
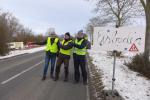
[(64, 56), (88, 42), (80, 50), (51, 50)]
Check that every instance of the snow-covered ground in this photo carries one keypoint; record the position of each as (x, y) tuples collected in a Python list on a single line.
[(129, 84), (19, 52)]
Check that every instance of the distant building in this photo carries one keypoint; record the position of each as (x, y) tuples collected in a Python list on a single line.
[(16, 45)]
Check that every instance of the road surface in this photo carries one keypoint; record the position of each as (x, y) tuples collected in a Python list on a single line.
[(20, 79)]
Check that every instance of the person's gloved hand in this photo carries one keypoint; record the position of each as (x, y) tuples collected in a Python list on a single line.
[(75, 45)]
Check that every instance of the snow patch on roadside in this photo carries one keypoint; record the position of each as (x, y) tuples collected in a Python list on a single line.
[(19, 52), (129, 84)]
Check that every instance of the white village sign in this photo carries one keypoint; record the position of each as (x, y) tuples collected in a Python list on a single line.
[(121, 39)]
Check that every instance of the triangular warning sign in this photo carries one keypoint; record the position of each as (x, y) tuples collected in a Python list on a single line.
[(133, 48)]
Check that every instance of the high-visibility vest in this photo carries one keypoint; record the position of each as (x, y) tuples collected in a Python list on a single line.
[(86, 37), (80, 51), (53, 48), (66, 52)]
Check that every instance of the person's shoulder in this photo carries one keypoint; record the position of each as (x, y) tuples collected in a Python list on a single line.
[(85, 40), (71, 42)]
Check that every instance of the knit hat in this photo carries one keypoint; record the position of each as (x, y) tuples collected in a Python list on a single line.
[(80, 34), (67, 34), (80, 31)]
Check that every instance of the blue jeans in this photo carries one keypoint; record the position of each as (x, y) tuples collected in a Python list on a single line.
[(48, 59)]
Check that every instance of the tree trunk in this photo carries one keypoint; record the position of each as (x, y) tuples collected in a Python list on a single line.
[(92, 35), (118, 23), (147, 35)]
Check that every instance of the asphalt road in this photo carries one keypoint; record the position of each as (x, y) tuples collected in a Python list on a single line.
[(20, 79)]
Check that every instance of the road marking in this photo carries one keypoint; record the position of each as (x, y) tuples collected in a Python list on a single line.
[(17, 56), (18, 63), (13, 57), (15, 76)]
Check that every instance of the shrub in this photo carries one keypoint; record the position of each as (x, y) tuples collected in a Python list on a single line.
[(138, 64)]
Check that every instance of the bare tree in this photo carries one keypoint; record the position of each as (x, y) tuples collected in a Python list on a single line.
[(146, 6), (40, 37), (25, 35), (14, 25), (120, 11), (96, 22), (12, 31), (4, 34)]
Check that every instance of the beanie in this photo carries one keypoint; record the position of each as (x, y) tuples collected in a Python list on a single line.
[(67, 34)]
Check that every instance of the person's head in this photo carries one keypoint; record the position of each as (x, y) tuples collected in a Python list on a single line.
[(67, 36), (80, 34), (53, 34)]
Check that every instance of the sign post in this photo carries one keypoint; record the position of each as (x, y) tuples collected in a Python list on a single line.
[(114, 67)]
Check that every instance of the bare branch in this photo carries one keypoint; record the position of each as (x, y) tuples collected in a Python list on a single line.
[(118, 9), (143, 3), (111, 8)]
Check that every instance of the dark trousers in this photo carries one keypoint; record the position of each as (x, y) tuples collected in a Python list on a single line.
[(79, 62), (61, 60), (48, 59)]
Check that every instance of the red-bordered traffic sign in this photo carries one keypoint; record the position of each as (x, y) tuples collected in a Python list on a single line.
[(133, 48)]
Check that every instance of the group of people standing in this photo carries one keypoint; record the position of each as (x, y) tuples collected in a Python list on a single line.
[(63, 50)]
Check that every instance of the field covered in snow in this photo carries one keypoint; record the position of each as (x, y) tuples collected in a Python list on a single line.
[(129, 84)]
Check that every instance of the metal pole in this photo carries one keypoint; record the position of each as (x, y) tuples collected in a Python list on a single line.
[(114, 65)]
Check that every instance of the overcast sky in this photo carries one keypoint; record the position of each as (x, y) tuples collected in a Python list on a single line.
[(39, 15)]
